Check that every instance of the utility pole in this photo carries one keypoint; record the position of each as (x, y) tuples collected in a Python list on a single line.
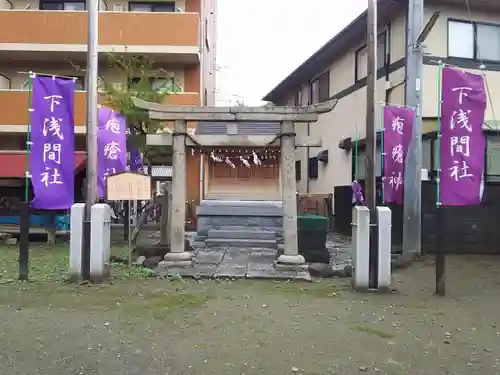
[(91, 133), (371, 138), (412, 220)]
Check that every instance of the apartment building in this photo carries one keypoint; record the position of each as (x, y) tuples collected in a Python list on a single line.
[(462, 38), (50, 36)]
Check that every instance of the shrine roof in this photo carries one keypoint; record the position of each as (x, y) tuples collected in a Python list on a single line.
[(242, 128)]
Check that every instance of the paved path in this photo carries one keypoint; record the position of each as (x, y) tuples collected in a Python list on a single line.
[(251, 263), (255, 263), (232, 262)]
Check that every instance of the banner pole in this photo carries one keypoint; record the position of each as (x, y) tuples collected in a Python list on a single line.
[(440, 256), (24, 218), (356, 154), (28, 139), (382, 152), (91, 191)]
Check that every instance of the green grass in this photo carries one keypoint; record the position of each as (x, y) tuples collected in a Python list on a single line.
[(131, 291), (130, 298), (50, 263)]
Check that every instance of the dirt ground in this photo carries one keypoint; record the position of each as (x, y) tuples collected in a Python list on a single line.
[(147, 326)]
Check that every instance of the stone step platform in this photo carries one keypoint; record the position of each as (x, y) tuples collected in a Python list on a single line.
[(241, 243), (258, 215), (237, 263), (241, 234), (243, 228)]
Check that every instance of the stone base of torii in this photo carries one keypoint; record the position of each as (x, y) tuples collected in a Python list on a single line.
[(287, 116)]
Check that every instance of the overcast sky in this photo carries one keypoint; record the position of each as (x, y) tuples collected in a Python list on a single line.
[(259, 42)]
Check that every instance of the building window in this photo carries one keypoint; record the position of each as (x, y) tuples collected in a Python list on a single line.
[(80, 83), (360, 162), (313, 168), (320, 88), (80, 143), (62, 5), (13, 142), (361, 57), (298, 170), (427, 154), (472, 40), (151, 7), (159, 84), (493, 158)]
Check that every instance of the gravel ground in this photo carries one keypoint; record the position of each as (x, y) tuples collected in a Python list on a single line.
[(140, 326)]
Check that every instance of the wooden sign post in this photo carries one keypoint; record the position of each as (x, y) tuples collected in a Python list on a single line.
[(128, 186)]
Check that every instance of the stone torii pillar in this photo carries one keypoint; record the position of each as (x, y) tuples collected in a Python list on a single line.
[(287, 116)]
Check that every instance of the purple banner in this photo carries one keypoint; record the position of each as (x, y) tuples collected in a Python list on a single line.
[(462, 145), (398, 130), (136, 164), (52, 156), (111, 146), (135, 155), (357, 193)]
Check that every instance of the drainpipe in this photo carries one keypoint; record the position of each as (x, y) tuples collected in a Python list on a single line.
[(388, 62), (309, 102)]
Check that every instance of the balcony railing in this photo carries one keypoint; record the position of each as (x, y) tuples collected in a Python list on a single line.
[(14, 105), (115, 28)]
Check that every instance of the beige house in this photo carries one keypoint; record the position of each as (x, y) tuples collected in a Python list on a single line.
[(338, 70)]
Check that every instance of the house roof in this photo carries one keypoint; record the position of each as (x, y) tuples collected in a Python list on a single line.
[(335, 47)]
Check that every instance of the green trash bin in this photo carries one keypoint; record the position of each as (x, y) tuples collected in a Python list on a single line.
[(312, 231)]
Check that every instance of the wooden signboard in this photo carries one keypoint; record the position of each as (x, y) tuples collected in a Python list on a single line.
[(128, 186)]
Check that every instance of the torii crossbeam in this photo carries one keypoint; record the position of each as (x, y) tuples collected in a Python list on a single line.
[(286, 139)]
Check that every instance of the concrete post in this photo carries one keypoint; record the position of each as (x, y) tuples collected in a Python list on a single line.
[(75, 241), (384, 220), (289, 196), (361, 247), (100, 241), (178, 256)]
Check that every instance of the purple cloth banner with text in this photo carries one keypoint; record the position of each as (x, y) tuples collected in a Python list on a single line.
[(357, 193), (135, 158), (462, 145), (52, 156), (398, 130), (136, 164), (111, 146)]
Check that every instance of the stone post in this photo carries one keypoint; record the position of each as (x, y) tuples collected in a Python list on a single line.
[(361, 246), (178, 256), (289, 197), (165, 213)]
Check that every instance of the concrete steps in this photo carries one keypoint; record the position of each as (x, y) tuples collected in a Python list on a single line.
[(227, 233), (241, 242)]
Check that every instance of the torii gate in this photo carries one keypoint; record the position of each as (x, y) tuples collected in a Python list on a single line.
[(287, 116)]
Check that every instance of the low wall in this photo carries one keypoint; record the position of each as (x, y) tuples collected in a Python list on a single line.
[(465, 230)]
